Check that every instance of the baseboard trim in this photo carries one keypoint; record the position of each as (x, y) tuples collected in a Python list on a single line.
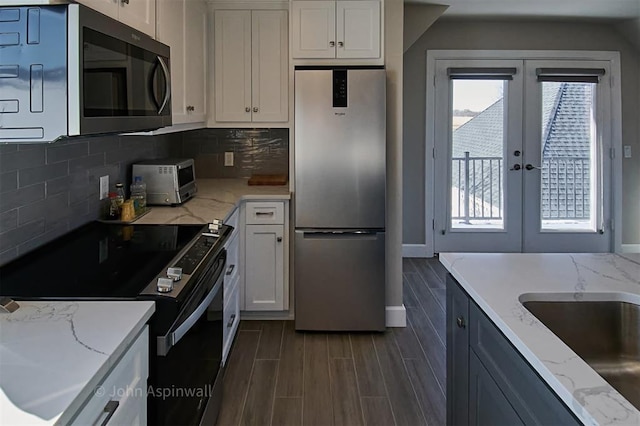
[(414, 250), (630, 248), (396, 316)]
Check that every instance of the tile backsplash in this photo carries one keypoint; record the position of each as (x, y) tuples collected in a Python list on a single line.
[(47, 190), (256, 151)]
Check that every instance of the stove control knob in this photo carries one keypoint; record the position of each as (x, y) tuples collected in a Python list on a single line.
[(174, 273), (165, 285)]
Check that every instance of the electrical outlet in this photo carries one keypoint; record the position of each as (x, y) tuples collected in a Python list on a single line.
[(627, 151), (104, 187), (228, 158)]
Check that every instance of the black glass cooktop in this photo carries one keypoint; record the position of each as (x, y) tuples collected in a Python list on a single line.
[(97, 261)]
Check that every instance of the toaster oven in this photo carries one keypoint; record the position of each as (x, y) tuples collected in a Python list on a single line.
[(170, 182)]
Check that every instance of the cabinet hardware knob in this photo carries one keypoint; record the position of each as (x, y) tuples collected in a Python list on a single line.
[(247, 109), (124, 1), (255, 109), (517, 153), (340, 44), (531, 167), (279, 239), (332, 43), (515, 167), (461, 323)]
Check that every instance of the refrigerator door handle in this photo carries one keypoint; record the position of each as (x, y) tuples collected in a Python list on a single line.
[(369, 234)]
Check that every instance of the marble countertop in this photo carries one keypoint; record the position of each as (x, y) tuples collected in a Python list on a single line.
[(53, 354), (499, 282), (215, 199)]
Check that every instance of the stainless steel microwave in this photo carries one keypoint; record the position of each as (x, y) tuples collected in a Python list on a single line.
[(170, 181), (67, 70)]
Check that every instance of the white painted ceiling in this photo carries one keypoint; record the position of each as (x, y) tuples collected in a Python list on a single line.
[(579, 9)]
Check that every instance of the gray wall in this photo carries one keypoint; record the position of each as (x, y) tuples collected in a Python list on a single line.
[(256, 151), (47, 190), (509, 35)]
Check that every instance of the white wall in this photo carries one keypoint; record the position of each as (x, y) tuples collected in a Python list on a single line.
[(511, 35)]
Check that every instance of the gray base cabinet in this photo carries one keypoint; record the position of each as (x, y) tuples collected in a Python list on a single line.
[(488, 381)]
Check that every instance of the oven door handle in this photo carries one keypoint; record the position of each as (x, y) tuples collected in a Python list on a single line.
[(166, 342)]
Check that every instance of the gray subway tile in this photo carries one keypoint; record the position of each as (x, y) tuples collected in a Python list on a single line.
[(9, 181), (51, 209), (21, 159), (55, 186), (8, 255), (85, 163), (21, 234), (104, 144), (8, 220), (67, 152), (51, 234), (39, 174), (13, 199)]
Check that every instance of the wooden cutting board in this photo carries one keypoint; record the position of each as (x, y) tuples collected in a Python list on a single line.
[(272, 180)]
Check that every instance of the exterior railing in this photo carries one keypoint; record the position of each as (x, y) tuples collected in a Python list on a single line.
[(565, 185), (480, 187)]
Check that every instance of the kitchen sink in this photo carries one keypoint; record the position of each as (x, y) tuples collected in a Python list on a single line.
[(605, 334)]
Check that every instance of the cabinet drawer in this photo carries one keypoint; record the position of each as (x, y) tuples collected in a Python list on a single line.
[(231, 318), (123, 392), (265, 213)]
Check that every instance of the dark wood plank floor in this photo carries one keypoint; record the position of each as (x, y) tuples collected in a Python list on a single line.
[(277, 376)]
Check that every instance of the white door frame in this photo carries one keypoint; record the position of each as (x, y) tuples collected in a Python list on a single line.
[(616, 123)]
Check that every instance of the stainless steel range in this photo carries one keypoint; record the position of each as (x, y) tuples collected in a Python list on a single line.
[(180, 267)]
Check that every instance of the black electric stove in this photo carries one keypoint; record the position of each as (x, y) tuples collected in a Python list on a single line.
[(99, 261)]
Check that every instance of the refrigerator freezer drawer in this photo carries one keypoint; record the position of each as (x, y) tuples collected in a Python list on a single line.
[(340, 280)]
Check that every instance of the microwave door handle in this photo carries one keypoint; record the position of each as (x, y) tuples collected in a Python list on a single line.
[(166, 342), (167, 84)]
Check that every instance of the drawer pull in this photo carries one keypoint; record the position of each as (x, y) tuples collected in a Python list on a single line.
[(279, 239), (231, 320), (461, 323), (264, 213), (110, 410), (230, 269)]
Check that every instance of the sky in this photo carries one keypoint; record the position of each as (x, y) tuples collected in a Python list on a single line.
[(476, 95)]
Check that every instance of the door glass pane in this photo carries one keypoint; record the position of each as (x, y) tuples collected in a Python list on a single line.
[(477, 168), (568, 184)]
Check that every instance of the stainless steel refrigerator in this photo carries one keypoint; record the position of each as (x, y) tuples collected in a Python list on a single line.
[(340, 174)]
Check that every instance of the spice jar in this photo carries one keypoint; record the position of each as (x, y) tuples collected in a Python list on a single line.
[(128, 213)]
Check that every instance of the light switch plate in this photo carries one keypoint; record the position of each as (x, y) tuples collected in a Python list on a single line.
[(228, 158), (627, 151), (104, 187)]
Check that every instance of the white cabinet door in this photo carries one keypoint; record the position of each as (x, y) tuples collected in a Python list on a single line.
[(233, 65), (171, 30), (270, 66), (139, 14), (358, 29), (264, 268), (106, 7), (314, 29), (195, 54)]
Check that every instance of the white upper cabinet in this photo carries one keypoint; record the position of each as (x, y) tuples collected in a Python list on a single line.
[(139, 14), (251, 66), (336, 29), (182, 26)]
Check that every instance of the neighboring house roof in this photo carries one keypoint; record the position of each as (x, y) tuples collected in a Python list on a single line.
[(566, 126)]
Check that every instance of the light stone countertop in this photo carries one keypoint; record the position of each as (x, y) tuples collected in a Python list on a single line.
[(499, 282), (54, 354), (215, 199)]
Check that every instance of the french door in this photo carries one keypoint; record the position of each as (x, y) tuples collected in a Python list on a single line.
[(520, 160)]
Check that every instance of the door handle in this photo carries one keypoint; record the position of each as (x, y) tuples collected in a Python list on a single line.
[(167, 84), (531, 167), (515, 167)]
